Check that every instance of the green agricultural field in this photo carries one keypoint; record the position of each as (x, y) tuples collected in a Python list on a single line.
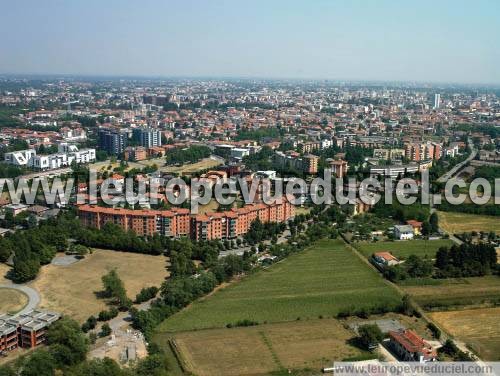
[(404, 248), (319, 281)]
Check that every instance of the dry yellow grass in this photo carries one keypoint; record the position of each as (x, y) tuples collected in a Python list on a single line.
[(474, 291), (3, 271), (258, 350), (12, 301), (455, 223), (192, 167), (71, 289), (479, 328)]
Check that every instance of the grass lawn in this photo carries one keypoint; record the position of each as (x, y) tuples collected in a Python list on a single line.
[(478, 328), (321, 280), (262, 349), (455, 291), (404, 248), (71, 289), (456, 223), (12, 301)]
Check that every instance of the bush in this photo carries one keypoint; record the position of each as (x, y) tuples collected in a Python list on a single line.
[(435, 330), (105, 330), (89, 324), (245, 322), (107, 315), (147, 293), (369, 336)]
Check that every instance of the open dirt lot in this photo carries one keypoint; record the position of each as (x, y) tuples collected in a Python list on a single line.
[(12, 301), (262, 349), (455, 223), (71, 289), (479, 328)]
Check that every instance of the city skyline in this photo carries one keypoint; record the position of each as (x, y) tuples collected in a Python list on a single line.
[(430, 42)]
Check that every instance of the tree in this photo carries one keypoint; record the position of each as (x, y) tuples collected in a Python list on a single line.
[(114, 288), (67, 342), (152, 365), (7, 371), (426, 228), (418, 267), (6, 249), (41, 363), (369, 336), (434, 222), (99, 367), (105, 330), (26, 265)]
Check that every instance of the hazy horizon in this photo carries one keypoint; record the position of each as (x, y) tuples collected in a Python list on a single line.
[(446, 42)]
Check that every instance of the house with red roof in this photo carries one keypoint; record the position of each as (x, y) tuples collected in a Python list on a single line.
[(409, 346)]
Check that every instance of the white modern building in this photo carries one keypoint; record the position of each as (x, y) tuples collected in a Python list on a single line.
[(20, 158), (66, 155), (239, 153)]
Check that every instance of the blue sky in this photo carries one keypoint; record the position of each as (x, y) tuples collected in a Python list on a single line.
[(439, 40)]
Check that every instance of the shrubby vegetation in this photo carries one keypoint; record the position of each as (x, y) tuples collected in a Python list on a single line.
[(401, 212), (183, 288), (369, 336), (259, 134), (493, 210), (259, 231), (413, 267), (466, 260), (449, 348), (146, 293), (192, 154), (115, 289)]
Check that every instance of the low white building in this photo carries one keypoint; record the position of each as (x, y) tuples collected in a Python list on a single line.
[(239, 153), (20, 158), (403, 232), (66, 155)]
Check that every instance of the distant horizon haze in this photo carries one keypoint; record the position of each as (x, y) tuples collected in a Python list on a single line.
[(440, 42)]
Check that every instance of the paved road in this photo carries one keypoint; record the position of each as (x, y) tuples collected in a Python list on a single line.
[(33, 296), (449, 174), (125, 318)]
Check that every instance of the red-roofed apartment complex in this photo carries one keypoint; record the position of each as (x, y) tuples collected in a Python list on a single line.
[(409, 346), (177, 222)]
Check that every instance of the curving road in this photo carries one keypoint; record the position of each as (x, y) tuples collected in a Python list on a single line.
[(449, 174), (33, 296)]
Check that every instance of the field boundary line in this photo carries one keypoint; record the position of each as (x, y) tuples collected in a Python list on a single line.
[(177, 355), (270, 347)]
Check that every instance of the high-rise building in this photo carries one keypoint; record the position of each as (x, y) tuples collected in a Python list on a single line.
[(113, 141), (437, 100), (147, 137)]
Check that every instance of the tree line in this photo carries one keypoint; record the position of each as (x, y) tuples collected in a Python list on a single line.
[(192, 154)]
